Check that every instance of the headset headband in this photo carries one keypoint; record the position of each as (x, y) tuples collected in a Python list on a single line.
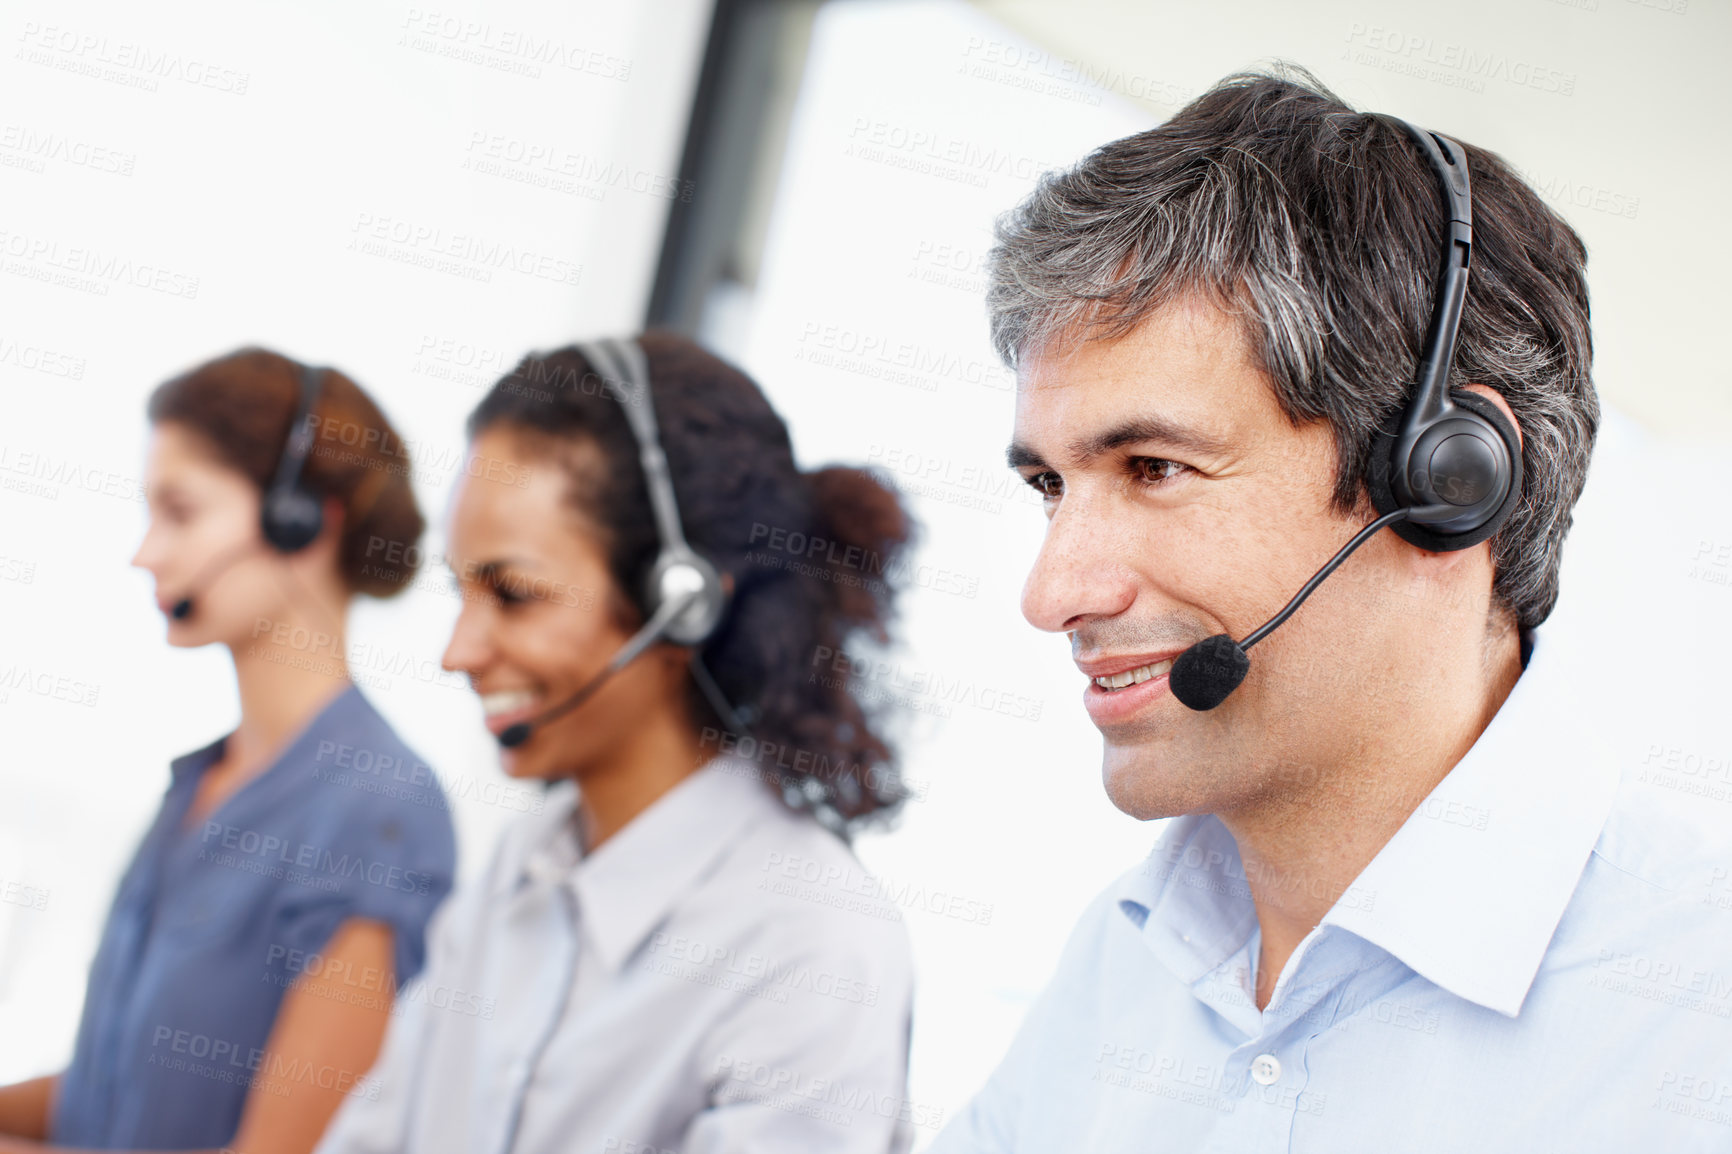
[(624, 363), (299, 445), (679, 571), (291, 516), (1431, 383)]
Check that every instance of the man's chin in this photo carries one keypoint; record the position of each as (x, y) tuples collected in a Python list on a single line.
[(1151, 782)]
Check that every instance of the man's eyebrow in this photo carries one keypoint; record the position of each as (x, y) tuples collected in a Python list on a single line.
[(1136, 431), (1140, 429)]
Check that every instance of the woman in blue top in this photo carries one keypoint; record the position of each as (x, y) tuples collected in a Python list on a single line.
[(247, 969)]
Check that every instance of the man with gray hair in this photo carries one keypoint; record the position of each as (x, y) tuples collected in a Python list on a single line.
[(1403, 903)]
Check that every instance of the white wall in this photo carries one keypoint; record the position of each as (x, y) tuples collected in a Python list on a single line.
[(201, 176)]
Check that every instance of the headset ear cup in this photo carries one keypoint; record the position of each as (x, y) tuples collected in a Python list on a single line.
[(689, 571), (1383, 496), (291, 519)]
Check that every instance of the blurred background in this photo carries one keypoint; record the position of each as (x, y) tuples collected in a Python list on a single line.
[(421, 194)]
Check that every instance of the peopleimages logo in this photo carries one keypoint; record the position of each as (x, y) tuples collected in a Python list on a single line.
[(827, 559), (724, 966), (137, 65), (90, 269), (38, 359), (493, 153), (17, 893), (389, 775), (264, 852), (875, 354), (511, 49), (371, 986), (54, 472), (43, 683), (223, 1060), (38, 148), (466, 254), (783, 1087), (872, 139), (855, 890), (1456, 65), (433, 461), (880, 676)]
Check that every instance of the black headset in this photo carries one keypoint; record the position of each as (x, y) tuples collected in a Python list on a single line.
[(1453, 460), (685, 598), (1446, 471), (291, 515)]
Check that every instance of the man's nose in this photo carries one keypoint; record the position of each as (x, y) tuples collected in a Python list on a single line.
[(1080, 573)]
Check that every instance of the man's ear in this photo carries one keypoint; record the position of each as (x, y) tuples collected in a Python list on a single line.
[(1496, 398), (1424, 559)]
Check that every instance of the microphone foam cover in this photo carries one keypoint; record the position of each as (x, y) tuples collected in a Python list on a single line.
[(1205, 674), (515, 735), (181, 609)]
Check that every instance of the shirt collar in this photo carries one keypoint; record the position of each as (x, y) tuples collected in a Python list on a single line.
[(1471, 888), (346, 713), (1189, 897), (1467, 893), (625, 888), (194, 763)]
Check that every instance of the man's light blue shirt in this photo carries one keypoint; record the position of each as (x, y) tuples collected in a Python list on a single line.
[(1539, 959)]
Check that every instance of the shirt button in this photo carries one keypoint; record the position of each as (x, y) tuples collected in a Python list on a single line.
[(1266, 1069)]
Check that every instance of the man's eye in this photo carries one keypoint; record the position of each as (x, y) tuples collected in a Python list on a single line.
[(1157, 470), (1047, 484)]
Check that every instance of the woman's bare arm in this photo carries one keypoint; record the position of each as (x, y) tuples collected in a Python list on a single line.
[(325, 1039), (326, 1036), (24, 1107)]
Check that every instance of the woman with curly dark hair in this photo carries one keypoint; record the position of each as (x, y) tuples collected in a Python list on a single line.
[(680, 952)]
